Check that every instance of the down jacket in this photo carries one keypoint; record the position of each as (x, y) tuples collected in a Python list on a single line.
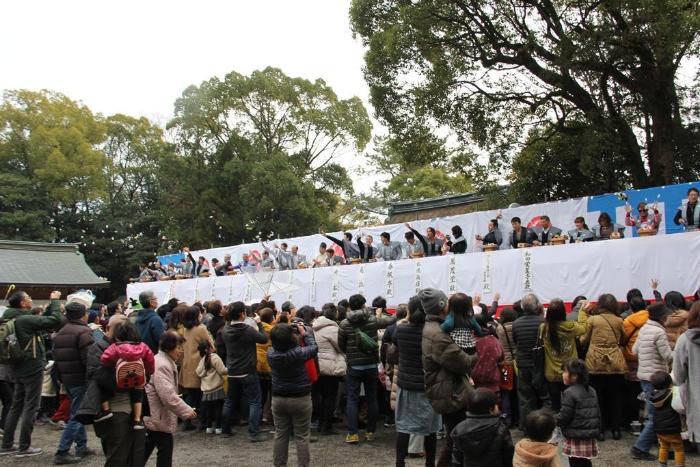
[(367, 323), (676, 324), (579, 417), (331, 360), (652, 350), (70, 350), (666, 420), (604, 333), (163, 397), (632, 325), (212, 379), (446, 368), (408, 339), (484, 441)]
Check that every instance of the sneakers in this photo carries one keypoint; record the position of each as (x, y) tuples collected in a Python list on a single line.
[(8, 451), (85, 452), (63, 459), (139, 425), (389, 425), (641, 455), (369, 436), (29, 452), (255, 439), (102, 416), (352, 438), (209, 431), (217, 431)]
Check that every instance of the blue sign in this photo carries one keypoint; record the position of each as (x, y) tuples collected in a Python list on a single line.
[(668, 198)]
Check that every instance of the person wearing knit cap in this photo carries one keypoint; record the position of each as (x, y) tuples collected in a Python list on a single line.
[(446, 369), (70, 350)]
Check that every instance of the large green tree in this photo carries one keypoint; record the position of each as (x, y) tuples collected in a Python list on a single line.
[(491, 69)]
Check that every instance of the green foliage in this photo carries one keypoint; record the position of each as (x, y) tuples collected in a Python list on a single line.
[(426, 182), (492, 70)]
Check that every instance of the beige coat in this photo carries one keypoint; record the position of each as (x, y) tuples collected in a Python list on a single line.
[(604, 333), (213, 378), (331, 360), (163, 397), (676, 324), (188, 370)]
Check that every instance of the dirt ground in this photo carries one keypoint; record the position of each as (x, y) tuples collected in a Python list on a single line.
[(210, 450)]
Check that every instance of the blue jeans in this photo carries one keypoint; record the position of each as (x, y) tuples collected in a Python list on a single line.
[(250, 388), (74, 431), (369, 379), (647, 438)]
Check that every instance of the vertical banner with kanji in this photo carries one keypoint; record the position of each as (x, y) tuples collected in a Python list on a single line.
[(527, 270), (452, 275), (313, 285), (335, 284), (418, 280), (248, 291), (196, 290), (291, 285), (361, 279), (389, 279), (486, 273)]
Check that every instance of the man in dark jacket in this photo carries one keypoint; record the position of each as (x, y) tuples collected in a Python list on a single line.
[(362, 360), (532, 391), (483, 438), (121, 444), (70, 349), (240, 341), (446, 368), (291, 389), (29, 371), (149, 324)]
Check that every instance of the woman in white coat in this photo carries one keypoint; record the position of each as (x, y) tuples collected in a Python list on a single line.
[(331, 362)]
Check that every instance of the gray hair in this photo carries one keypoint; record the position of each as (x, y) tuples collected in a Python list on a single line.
[(145, 298), (531, 304)]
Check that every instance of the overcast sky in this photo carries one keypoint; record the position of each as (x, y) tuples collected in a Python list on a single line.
[(137, 57)]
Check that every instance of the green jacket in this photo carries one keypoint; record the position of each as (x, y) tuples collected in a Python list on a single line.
[(567, 332), (29, 326)]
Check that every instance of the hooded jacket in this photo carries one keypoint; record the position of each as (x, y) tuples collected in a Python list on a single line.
[(150, 327), (367, 323), (70, 349), (652, 350), (666, 420), (331, 360), (632, 325), (241, 353), (567, 332), (261, 351), (686, 370), (579, 416), (446, 368), (484, 441), (28, 329), (530, 453)]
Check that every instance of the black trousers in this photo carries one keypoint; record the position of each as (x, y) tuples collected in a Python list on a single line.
[(7, 390), (165, 444), (122, 445), (429, 443), (448, 455), (610, 390), (327, 396)]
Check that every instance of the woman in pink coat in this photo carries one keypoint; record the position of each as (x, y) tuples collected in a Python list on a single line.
[(165, 403)]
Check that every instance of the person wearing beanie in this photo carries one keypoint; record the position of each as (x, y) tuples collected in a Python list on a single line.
[(446, 369), (70, 351)]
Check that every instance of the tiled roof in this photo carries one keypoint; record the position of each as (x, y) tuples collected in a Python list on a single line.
[(33, 263)]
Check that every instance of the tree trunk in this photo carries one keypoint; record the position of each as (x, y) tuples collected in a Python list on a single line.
[(660, 98)]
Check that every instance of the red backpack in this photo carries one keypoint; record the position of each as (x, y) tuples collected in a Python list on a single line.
[(130, 374)]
